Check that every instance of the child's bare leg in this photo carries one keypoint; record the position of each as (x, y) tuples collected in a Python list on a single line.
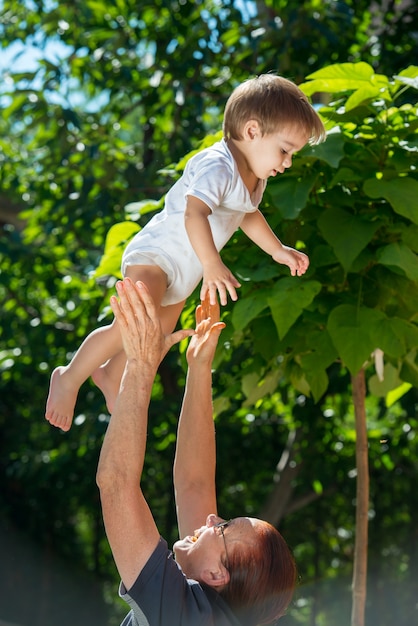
[(108, 376), (65, 382)]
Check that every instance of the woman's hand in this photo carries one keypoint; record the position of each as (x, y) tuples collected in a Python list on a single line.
[(140, 325)]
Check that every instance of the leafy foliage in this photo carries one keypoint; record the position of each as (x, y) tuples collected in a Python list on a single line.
[(355, 205), (120, 92)]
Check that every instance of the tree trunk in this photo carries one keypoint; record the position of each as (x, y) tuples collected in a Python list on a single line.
[(362, 501), (284, 477)]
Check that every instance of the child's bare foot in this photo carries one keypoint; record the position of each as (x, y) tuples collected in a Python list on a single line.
[(107, 386), (61, 400)]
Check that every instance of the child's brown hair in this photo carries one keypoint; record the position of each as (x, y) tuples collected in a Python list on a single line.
[(274, 102)]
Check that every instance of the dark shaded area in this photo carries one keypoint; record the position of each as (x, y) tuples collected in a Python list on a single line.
[(39, 588)]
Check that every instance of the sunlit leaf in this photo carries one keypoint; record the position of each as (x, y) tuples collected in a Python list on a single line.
[(395, 394), (401, 193), (343, 77), (391, 380)]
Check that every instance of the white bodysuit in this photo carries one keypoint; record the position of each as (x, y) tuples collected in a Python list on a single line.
[(212, 176)]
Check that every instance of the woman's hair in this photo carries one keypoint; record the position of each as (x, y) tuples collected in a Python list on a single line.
[(274, 102), (263, 577)]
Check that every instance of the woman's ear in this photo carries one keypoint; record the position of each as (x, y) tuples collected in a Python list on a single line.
[(216, 577)]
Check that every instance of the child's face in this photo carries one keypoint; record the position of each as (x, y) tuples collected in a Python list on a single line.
[(271, 154)]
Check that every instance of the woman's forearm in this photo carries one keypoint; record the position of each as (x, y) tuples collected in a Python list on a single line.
[(123, 451)]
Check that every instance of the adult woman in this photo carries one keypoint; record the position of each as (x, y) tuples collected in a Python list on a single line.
[(224, 573)]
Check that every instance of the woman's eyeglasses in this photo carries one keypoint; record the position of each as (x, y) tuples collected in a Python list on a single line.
[(219, 530)]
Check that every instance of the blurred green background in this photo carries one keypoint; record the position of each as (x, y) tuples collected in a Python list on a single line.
[(98, 102)]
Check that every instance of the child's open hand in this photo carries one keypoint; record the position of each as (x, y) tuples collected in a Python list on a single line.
[(296, 261), (217, 279), (203, 343)]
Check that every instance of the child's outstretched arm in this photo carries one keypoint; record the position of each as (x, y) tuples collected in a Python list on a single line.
[(217, 278), (255, 226)]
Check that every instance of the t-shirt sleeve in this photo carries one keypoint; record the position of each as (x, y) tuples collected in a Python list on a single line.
[(163, 596), (210, 180)]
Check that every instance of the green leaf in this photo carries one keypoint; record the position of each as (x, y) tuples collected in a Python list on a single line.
[(119, 234), (331, 151), (400, 256), (409, 369), (390, 381), (208, 141), (322, 255), (321, 353), (347, 235), (220, 404), (408, 76), (116, 239), (267, 343), (364, 95), (401, 193), (300, 383), (254, 389), (406, 331), (248, 308), (109, 265), (345, 175), (288, 299), (137, 209), (389, 334), (291, 194), (351, 331), (339, 77), (409, 235), (318, 382), (394, 395)]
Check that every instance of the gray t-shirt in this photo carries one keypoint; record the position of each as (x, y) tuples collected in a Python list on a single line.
[(163, 596)]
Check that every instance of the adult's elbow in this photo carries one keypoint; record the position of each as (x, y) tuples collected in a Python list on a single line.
[(109, 478), (103, 478), (114, 489)]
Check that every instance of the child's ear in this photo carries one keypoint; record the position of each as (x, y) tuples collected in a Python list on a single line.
[(251, 130)]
